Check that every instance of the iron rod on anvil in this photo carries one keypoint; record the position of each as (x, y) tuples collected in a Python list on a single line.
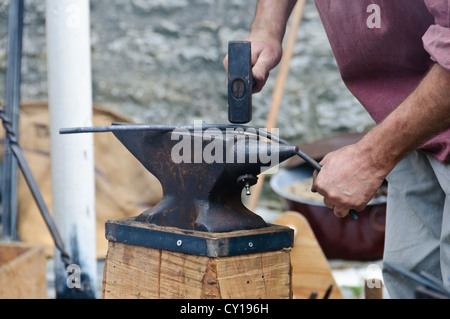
[(144, 127)]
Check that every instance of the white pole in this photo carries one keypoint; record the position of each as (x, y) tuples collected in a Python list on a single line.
[(70, 104)]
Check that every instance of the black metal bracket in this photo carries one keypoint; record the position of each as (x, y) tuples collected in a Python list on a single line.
[(129, 231)]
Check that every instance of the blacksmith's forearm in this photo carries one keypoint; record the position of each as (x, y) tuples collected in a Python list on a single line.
[(424, 114), (271, 17)]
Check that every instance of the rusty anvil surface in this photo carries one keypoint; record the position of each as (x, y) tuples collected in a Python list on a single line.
[(200, 192), (200, 195)]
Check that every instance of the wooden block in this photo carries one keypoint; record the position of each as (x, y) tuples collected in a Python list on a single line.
[(22, 271), (310, 269), (140, 272)]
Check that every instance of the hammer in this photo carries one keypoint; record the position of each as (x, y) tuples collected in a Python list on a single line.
[(240, 82)]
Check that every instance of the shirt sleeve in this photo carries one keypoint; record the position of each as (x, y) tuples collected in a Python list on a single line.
[(436, 39)]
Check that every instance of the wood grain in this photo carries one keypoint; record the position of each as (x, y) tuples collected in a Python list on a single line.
[(139, 272)]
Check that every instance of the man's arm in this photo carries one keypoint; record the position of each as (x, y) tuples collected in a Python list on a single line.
[(350, 176), (266, 34)]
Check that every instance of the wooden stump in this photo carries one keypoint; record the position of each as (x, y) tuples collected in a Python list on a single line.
[(140, 272)]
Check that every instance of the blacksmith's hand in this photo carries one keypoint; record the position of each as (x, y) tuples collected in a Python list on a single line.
[(266, 54), (348, 179)]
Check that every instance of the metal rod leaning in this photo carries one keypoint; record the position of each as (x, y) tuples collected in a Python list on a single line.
[(31, 182)]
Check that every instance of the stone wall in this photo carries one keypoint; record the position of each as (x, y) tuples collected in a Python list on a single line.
[(160, 62)]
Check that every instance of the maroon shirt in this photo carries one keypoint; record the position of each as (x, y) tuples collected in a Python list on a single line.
[(383, 53)]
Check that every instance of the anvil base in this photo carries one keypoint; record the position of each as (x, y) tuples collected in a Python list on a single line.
[(265, 239)]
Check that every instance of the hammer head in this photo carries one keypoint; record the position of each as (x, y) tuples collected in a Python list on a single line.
[(240, 82)]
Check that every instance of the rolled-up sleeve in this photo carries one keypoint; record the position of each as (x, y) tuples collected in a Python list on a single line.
[(436, 39)]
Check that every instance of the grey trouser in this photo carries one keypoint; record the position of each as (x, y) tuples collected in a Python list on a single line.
[(417, 222)]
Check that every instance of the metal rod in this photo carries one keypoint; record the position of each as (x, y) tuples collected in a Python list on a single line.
[(145, 127), (31, 182), (328, 292), (9, 182), (39, 201)]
